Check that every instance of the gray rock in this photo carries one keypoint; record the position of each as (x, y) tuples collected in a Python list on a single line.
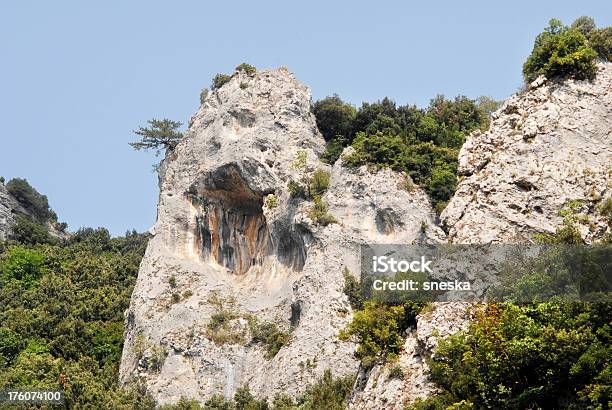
[(545, 147), (217, 233)]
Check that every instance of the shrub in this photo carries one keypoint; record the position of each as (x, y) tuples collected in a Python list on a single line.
[(584, 25), (334, 117), (319, 182), (379, 330), (172, 281), (30, 232), (328, 393), (396, 372), (429, 165), (334, 149), (352, 290), (601, 41), (247, 68), (560, 52), (269, 335), (31, 200), (544, 355), (219, 80), (271, 201), (319, 213), (301, 160), (67, 313), (296, 190)]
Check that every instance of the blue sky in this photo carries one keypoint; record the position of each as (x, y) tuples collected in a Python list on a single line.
[(77, 77)]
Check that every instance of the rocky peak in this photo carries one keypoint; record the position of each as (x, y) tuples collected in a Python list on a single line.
[(546, 147), (229, 227)]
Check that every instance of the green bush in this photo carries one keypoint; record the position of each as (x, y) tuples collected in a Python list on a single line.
[(561, 52), (270, 201), (219, 80), (601, 41), (22, 266), (352, 290), (247, 68), (318, 183), (334, 149), (31, 200), (269, 335), (30, 232), (428, 165), (584, 25), (334, 117), (296, 189), (379, 330), (548, 355), (319, 213)]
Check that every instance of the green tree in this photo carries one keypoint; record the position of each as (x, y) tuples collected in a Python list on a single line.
[(334, 117), (601, 41), (560, 52), (584, 24), (161, 134)]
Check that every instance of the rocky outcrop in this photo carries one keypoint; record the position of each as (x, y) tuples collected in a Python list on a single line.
[(231, 235), (228, 228), (8, 208), (546, 147)]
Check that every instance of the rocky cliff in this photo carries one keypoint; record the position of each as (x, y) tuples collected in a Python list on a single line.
[(232, 242), (8, 208), (229, 229), (546, 148)]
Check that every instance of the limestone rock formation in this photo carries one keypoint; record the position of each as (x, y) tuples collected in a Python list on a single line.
[(230, 233), (8, 208), (545, 148), (232, 242)]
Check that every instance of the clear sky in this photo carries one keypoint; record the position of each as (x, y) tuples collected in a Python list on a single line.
[(76, 77)]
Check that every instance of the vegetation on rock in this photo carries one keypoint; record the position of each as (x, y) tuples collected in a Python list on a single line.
[(161, 134), (561, 51)]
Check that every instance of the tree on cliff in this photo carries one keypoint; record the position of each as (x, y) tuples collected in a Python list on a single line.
[(161, 134)]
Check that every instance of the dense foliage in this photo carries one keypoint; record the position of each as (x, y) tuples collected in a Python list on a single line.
[(554, 354), (61, 325), (28, 197), (424, 143), (561, 51), (548, 355)]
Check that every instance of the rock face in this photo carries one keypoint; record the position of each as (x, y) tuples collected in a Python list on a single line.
[(545, 147), (8, 208), (229, 230), (229, 233)]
